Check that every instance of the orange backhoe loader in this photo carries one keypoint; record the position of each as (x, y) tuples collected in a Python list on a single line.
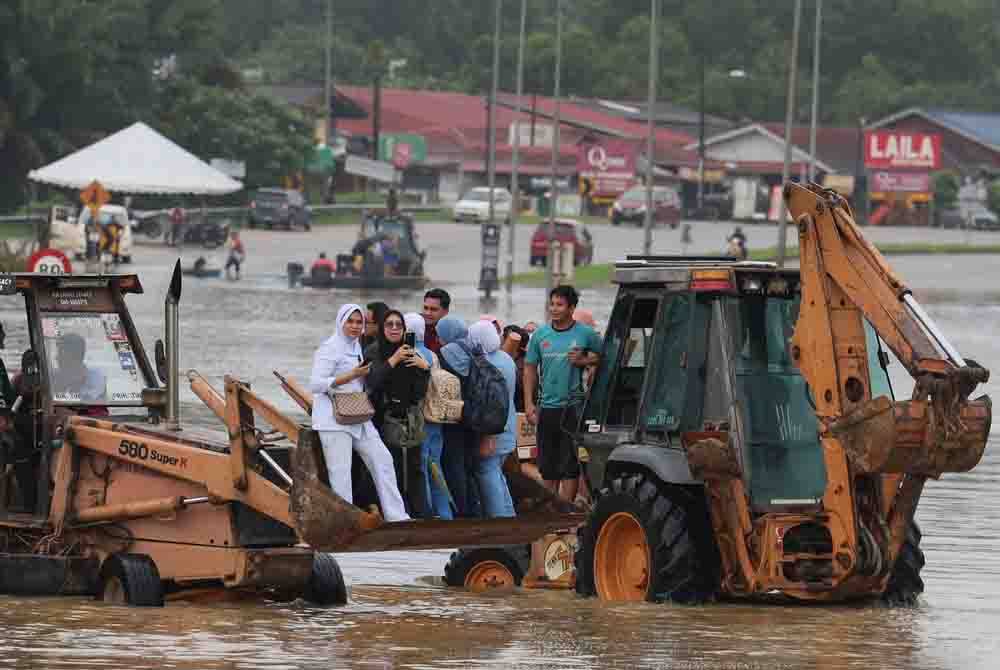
[(103, 492), (745, 434)]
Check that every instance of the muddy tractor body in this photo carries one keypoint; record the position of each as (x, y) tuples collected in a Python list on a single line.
[(743, 434), (104, 492)]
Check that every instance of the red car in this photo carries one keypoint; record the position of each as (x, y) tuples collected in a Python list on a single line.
[(567, 230), (631, 207)]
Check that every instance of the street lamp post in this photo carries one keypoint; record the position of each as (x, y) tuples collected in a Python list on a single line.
[(557, 120), (492, 123), (793, 60), (815, 92), (515, 157), (701, 136), (647, 246), (328, 88)]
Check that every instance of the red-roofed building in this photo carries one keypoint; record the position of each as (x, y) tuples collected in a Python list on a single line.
[(753, 158)]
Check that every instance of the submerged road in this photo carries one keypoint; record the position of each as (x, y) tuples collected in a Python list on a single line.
[(401, 617)]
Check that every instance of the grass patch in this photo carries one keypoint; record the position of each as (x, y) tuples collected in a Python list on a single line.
[(600, 274), (9, 231)]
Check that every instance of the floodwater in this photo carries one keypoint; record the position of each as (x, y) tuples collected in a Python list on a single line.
[(400, 616)]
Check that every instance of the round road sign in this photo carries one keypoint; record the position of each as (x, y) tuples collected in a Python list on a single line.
[(49, 261)]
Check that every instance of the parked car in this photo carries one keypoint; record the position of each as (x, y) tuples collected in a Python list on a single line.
[(567, 230), (630, 207), (279, 207), (67, 230), (474, 206), (982, 218), (950, 217)]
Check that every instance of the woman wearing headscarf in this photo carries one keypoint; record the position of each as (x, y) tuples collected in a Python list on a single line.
[(436, 499), (461, 446), (493, 490), (338, 367), (396, 385), (373, 321), (399, 374)]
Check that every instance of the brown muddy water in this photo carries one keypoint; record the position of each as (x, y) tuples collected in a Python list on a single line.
[(400, 616)]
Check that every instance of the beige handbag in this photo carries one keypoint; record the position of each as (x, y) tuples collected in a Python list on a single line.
[(352, 408), (443, 400)]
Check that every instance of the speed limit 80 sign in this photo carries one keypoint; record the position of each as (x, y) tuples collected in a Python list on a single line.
[(50, 262)]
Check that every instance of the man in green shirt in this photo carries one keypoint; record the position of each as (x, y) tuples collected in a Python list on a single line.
[(558, 354)]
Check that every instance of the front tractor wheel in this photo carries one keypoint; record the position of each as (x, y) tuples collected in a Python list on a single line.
[(326, 584), (647, 541), (130, 579), (487, 568), (905, 584)]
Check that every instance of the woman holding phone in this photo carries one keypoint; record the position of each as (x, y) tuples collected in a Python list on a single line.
[(338, 368), (396, 385)]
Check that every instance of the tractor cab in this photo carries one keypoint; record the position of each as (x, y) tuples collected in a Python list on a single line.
[(79, 354), (700, 349)]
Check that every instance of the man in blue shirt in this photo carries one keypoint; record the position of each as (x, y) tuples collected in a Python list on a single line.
[(558, 353)]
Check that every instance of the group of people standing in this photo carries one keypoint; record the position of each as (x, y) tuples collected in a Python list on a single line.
[(410, 365)]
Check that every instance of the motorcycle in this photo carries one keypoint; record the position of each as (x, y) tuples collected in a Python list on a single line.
[(209, 235), (148, 225)]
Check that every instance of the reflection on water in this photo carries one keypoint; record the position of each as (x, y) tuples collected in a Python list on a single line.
[(400, 616)]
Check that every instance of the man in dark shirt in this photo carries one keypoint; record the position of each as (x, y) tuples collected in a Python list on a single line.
[(437, 302)]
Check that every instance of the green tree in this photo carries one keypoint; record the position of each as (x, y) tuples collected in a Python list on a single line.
[(273, 139)]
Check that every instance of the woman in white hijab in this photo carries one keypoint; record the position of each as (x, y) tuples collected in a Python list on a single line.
[(338, 367)]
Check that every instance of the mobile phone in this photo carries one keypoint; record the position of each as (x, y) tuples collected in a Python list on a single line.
[(410, 340)]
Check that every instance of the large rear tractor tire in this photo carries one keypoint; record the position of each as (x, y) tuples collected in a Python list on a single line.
[(487, 568), (130, 579), (326, 584), (905, 585), (646, 540)]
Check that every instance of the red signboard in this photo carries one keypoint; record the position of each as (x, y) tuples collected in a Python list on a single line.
[(889, 149), (50, 261), (899, 182), (610, 164)]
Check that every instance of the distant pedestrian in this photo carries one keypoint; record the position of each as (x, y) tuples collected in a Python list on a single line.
[(237, 254), (178, 218), (392, 202), (736, 244)]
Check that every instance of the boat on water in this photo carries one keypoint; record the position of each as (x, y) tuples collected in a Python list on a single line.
[(385, 257)]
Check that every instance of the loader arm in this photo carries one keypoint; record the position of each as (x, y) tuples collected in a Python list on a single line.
[(891, 448)]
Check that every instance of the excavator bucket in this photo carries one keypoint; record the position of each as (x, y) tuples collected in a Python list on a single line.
[(912, 437), (327, 522)]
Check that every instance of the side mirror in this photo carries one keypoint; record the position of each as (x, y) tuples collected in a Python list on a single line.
[(31, 372), (160, 354)]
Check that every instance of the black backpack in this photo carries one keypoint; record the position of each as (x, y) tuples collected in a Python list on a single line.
[(484, 391)]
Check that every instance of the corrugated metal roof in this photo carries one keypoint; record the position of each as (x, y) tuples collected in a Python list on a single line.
[(983, 126)]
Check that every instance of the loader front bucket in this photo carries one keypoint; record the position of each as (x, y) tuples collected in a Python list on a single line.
[(906, 437), (327, 522)]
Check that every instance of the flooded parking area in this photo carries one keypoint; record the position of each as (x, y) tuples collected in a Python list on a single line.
[(401, 616)]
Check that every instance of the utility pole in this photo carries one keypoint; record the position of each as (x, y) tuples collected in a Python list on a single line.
[(514, 187), (701, 136), (491, 176), (815, 92), (327, 86), (557, 119), (793, 59), (654, 66)]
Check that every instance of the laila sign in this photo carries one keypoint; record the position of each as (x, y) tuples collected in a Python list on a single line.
[(893, 149)]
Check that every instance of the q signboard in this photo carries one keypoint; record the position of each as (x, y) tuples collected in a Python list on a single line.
[(610, 164), (890, 149)]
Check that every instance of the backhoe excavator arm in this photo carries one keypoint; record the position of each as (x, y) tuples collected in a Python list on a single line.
[(845, 280), (842, 273)]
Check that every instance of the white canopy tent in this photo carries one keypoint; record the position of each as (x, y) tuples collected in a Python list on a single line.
[(137, 159)]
